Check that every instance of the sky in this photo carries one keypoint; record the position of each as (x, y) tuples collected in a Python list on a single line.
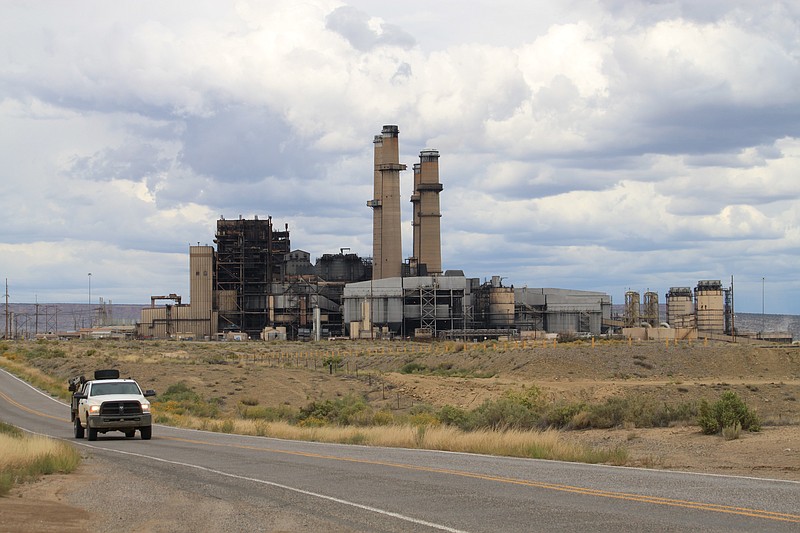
[(595, 145)]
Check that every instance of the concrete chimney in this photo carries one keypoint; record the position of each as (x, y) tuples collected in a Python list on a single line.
[(387, 249), (427, 214)]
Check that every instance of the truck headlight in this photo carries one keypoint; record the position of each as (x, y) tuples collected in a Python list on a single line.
[(94, 409), (145, 407)]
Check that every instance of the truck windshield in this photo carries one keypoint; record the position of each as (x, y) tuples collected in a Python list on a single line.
[(102, 389)]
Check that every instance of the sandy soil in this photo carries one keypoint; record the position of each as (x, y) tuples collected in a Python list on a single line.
[(767, 378)]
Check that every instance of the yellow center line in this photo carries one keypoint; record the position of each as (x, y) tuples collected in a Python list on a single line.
[(656, 500), (29, 410)]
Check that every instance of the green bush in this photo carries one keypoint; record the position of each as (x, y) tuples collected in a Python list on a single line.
[(179, 398), (413, 368), (453, 416), (728, 411), (561, 415), (42, 350), (179, 392), (342, 411), (505, 413)]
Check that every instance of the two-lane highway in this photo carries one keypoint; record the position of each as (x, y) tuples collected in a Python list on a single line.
[(387, 489)]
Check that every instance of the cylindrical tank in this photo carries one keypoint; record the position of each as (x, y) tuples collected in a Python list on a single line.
[(501, 307), (632, 308), (680, 312), (651, 314), (709, 306)]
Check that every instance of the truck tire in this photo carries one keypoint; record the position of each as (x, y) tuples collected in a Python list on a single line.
[(92, 433), (146, 431), (78, 428)]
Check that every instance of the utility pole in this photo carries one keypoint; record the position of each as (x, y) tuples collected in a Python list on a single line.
[(733, 313), (763, 318), (7, 323)]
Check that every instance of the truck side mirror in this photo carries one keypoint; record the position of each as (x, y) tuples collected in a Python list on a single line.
[(149, 392), (79, 396)]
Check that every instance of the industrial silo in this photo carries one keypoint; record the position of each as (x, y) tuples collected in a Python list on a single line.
[(709, 306), (631, 313), (501, 305), (680, 312), (651, 313)]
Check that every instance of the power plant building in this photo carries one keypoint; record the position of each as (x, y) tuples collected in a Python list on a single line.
[(253, 284)]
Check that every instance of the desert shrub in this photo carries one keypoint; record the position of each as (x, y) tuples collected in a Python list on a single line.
[(732, 432), (502, 414), (453, 416), (43, 350), (636, 410), (423, 419), (383, 417), (180, 399), (215, 359), (340, 411), (561, 415), (333, 363), (515, 409), (264, 412), (179, 392), (413, 368), (729, 410)]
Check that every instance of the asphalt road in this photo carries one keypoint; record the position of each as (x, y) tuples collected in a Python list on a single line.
[(359, 488)]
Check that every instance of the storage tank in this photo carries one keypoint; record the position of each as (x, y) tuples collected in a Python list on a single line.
[(709, 306), (501, 307), (631, 308), (651, 313), (680, 312)]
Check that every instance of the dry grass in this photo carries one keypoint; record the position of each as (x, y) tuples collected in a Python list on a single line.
[(34, 376), (511, 443), (25, 458)]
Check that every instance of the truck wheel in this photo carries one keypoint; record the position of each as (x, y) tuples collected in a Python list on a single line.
[(146, 431), (130, 433), (92, 433), (78, 429)]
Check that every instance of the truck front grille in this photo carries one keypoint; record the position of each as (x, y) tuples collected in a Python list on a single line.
[(121, 408)]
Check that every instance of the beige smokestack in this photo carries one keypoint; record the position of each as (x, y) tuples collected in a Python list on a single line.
[(427, 214), (387, 249)]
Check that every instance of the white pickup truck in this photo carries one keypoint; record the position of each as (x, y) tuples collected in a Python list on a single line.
[(108, 403)]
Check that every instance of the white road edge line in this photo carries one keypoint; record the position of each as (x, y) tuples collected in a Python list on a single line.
[(284, 487)]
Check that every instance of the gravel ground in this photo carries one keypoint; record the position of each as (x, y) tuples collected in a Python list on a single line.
[(103, 497)]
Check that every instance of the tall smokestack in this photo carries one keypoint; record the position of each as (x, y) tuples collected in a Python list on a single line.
[(387, 249), (427, 215)]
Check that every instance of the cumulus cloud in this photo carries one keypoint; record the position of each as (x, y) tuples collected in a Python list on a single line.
[(364, 32), (594, 145)]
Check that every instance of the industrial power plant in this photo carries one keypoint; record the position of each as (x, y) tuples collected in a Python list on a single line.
[(254, 285)]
